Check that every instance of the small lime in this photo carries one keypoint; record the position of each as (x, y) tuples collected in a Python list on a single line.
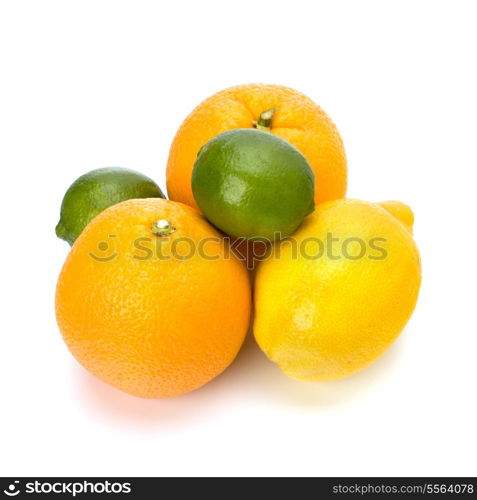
[(253, 184), (97, 190)]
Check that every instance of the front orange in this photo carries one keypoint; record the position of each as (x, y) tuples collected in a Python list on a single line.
[(153, 313), (296, 118)]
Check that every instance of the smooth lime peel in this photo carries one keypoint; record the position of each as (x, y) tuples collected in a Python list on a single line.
[(253, 184), (97, 190)]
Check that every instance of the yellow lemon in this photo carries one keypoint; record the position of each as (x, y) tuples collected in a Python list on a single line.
[(333, 297), (401, 211)]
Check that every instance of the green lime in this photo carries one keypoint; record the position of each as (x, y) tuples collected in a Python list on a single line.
[(97, 190), (253, 184)]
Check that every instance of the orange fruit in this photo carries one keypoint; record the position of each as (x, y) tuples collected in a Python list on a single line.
[(295, 118), (150, 300)]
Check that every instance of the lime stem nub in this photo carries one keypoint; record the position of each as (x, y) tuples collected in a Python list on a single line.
[(59, 230), (162, 227), (264, 121)]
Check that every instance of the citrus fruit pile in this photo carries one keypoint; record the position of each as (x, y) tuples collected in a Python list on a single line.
[(155, 296)]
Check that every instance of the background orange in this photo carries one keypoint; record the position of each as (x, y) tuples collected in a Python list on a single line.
[(297, 119)]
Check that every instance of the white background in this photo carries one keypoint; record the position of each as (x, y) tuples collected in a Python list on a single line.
[(98, 83)]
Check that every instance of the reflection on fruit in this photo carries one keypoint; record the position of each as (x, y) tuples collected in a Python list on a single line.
[(274, 108), (332, 304), (141, 312)]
